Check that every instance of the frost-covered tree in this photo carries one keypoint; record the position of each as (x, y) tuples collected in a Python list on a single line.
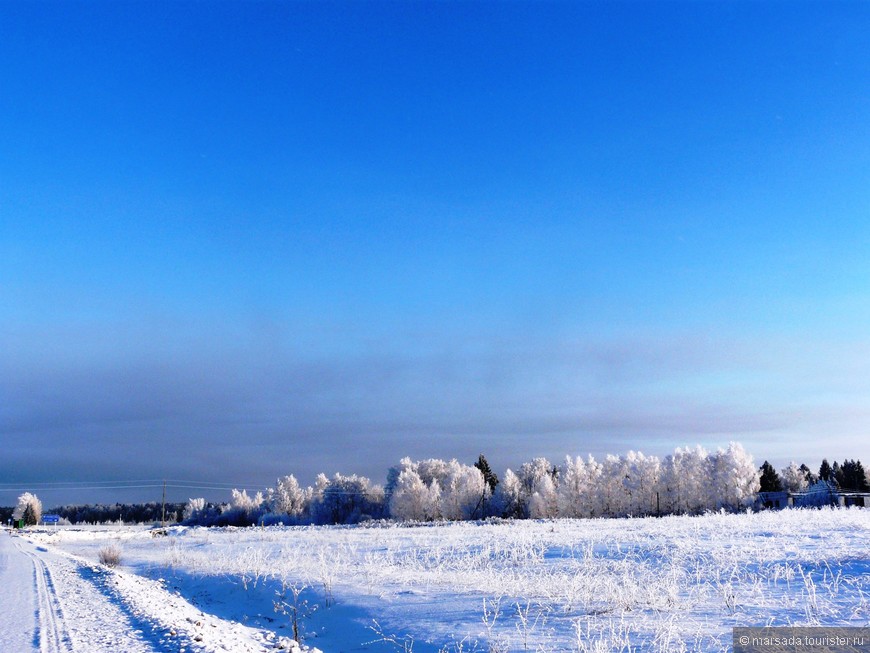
[(685, 476), (508, 498), (670, 485), (794, 479), (393, 473), (249, 505), (543, 504), (734, 479), (412, 500), (532, 472), (611, 497), (436, 489), (288, 498), (243, 509), (529, 476), (345, 500), (463, 492), (642, 482), (202, 513), (433, 469), (578, 480), (29, 508), (194, 511)]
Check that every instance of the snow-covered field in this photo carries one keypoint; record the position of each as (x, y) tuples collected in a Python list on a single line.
[(668, 584)]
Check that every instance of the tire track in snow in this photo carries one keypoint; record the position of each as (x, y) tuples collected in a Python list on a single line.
[(50, 629), (110, 611), (72, 615)]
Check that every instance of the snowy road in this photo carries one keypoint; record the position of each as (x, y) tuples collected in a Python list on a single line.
[(49, 629), (18, 599), (52, 602)]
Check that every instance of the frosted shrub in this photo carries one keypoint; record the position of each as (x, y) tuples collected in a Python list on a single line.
[(110, 555)]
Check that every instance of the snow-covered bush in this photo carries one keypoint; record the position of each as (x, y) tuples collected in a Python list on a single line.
[(110, 555)]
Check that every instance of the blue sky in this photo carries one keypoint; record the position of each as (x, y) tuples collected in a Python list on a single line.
[(240, 240)]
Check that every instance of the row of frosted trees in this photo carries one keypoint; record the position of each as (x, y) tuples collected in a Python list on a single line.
[(689, 481)]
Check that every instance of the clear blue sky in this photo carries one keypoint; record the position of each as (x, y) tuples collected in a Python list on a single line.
[(240, 240)]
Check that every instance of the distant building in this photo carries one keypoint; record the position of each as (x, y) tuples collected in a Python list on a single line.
[(821, 493), (772, 500)]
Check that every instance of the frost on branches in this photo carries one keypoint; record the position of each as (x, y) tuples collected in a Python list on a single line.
[(689, 481), (794, 479), (29, 508), (434, 489)]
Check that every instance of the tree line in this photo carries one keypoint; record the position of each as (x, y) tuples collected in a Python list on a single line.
[(688, 481), (29, 509), (848, 477)]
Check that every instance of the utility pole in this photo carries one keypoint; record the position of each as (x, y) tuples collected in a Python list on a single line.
[(163, 507)]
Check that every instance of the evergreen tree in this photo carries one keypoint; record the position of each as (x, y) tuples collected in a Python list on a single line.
[(836, 474), (29, 509), (843, 474), (825, 471), (488, 475), (812, 479), (29, 516), (850, 476), (770, 481), (861, 483)]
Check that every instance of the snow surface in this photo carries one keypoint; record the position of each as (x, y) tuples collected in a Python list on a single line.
[(669, 584), (54, 602)]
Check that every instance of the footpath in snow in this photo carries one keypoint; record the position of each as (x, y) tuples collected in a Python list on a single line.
[(55, 603)]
